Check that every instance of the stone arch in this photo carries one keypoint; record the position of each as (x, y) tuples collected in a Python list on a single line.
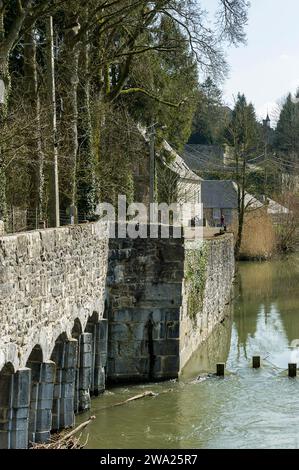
[(36, 355), (7, 369), (91, 322), (59, 340), (9, 354)]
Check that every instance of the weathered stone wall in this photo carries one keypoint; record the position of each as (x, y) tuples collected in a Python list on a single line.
[(209, 273), (48, 279), (164, 299), (144, 303)]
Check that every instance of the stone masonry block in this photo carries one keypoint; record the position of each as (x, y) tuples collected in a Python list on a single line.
[(45, 391), (42, 437), (68, 390), (44, 420), (21, 387), (4, 439), (68, 375), (169, 347), (71, 354), (45, 404), (173, 330), (19, 439), (47, 372)]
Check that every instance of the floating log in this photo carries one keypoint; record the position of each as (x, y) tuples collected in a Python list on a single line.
[(136, 397)]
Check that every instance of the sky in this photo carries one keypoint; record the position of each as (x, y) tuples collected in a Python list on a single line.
[(267, 68)]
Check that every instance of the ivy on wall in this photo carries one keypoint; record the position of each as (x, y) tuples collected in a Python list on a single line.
[(196, 278)]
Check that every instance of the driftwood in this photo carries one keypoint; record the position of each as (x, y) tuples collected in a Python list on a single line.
[(66, 441), (137, 397)]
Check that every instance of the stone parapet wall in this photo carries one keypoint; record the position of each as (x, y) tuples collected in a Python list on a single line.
[(209, 273), (49, 278)]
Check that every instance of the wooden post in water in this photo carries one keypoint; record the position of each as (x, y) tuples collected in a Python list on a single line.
[(292, 370), (256, 362), (220, 369)]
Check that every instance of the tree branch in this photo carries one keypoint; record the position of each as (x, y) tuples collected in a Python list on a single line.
[(150, 95)]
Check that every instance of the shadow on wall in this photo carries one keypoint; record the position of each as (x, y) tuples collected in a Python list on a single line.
[(215, 349)]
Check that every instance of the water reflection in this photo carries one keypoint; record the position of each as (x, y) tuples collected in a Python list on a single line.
[(266, 306), (215, 349)]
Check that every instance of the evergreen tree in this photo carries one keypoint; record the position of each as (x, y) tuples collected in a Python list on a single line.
[(287, 130), (165, 84), (210, 117)]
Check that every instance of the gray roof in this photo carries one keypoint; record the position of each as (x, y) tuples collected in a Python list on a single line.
[(179, 166), (223, 194), (219, 194), (203, 157)]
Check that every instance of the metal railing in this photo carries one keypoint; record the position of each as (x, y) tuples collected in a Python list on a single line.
[(23, 220)]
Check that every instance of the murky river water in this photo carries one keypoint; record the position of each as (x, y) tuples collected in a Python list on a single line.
[(249, 408)]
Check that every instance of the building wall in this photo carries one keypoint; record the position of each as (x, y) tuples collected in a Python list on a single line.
[(211, 221), (189, 191)]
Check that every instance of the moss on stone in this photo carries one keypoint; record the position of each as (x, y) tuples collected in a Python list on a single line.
[(196, 278)]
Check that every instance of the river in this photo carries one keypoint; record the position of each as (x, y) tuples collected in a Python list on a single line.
[(248, 408)]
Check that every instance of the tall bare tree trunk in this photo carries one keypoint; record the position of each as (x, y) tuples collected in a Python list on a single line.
[(54, 175), (4, 91), (86, 180), (241, 209), (4, 86), (36, 155), (69, 126), (7, 42)]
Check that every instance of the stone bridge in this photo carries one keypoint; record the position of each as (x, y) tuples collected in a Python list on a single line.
[(59, 289), (53, 340)]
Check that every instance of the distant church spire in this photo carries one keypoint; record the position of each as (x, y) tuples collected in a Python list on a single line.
[(267, 121)]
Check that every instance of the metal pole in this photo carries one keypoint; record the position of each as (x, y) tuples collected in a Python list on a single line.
[(54, 195)]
